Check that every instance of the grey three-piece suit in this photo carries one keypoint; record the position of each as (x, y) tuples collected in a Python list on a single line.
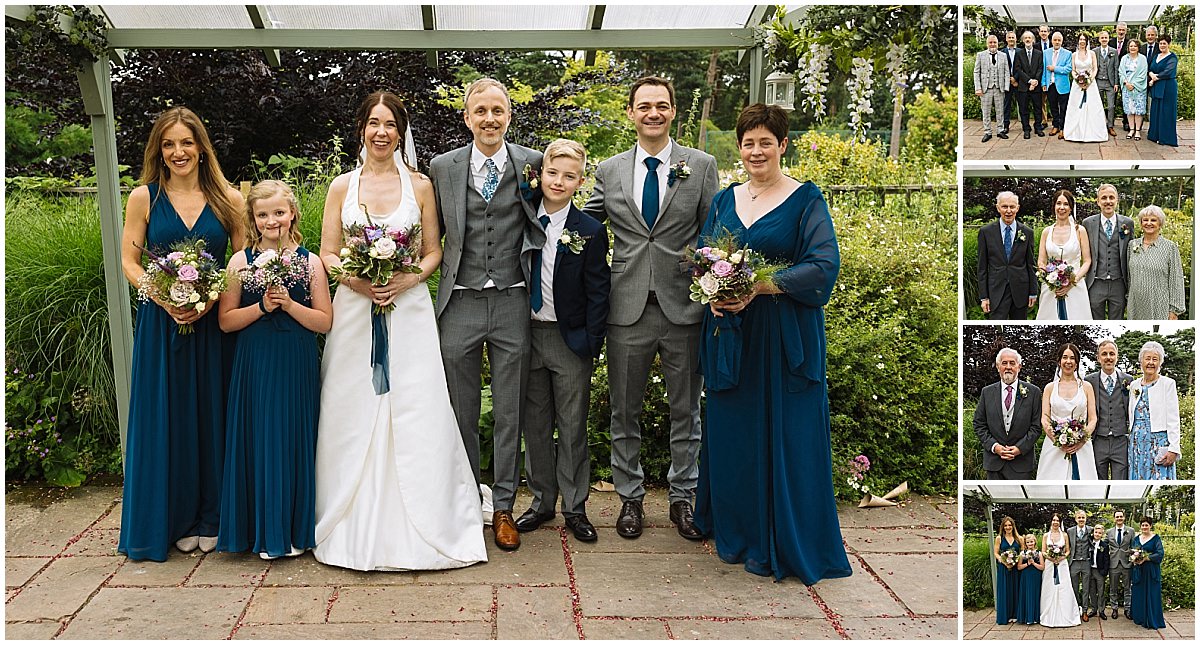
[(1081, 561), (1111, 438), (1119, 566), (1108, 278)]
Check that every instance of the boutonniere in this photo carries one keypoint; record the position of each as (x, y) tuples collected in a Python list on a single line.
[(1124, 230), (678, 171), (1135, 387), (1136, 246), (572, 241), (1021, 391), (1021, 236), (530, 184)]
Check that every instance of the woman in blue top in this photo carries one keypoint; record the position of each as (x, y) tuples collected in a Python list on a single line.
[(766, 488), (173, 447), (1132, 70), (1164, 92), (268, 491), (1145, 589), (1006, 551)]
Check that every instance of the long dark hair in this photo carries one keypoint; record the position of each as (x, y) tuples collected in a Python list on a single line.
[(391, 102)]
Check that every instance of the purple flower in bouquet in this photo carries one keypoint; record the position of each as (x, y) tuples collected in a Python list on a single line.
[(722, 269), (175, 256), (376, 253), (1056, 274), (188, 273), (186, 277)]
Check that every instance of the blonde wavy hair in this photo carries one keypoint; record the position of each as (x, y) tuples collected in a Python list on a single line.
[(267, 189)]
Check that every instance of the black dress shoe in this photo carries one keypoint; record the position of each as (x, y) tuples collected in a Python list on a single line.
[(1092, 612), (681, 517), (1102, 616), (629, 522), (581, 528), (1040, 133), (986, 138), (531, 519), (1003, 135), (1128, 615), (1026, 135)]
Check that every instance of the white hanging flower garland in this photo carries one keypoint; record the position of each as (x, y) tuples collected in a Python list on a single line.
[(859, 87)]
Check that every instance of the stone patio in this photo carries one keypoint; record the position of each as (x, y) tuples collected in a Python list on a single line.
[(64, 579), (1016, 148), (981, 624)]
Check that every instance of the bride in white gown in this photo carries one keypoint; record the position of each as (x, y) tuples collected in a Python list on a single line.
[(1084, 120), (394, 488), (1065, 240), (1067, 397), (1059, 607)]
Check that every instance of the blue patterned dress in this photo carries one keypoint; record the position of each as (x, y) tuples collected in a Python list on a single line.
[(1144, 444), (1006, 586), (174, 444), (268, 492)]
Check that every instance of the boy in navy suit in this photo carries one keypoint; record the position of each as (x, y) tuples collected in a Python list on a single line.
[(568, 298), (1098, 572)]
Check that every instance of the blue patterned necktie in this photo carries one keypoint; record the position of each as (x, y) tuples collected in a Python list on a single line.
[(535, 273), (650, 192), (1108, 385), (1108, 228), (1007, 242), (491, 181)]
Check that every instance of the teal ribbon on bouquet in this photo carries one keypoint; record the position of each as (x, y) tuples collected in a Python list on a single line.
[(1074, 469), (380, 377), (723, 352), (1062, 308), (1055, 573)]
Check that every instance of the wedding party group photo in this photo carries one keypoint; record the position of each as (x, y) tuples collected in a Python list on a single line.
[(1070, 82), (562, 338), (1069, 561)]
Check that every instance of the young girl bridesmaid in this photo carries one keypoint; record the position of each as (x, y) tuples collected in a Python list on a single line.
[(279, 300), (1029, 582)]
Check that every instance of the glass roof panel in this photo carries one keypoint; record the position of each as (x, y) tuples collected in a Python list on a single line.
[(132, 16), (1087, 491), (695, 16), (1111, 491), (517, 17), (1064, 15), (1059, 14), (1043, 491), (1101, 14), (345, 16)]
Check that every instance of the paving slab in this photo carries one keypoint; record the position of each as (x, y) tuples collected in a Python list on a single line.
[(18, 571), (285, 605), (412, 603), (96, 542), (49, 530), (976, 616), (41, 630), (61, 589), (305, 571), (927, 584), (859, 595), (902, 541), (160, 613), (621, 630), (1183, 623), (230, 570), (535, 613), (540, 560), (652, 540), (917, 511), (756, 629), (368, 631), (1052, 148), (146, 573), (902, 628), (112, 520), (665, 585)]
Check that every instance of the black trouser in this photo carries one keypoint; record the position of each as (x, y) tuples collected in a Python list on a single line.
[(1058, 106), (1030, 102)]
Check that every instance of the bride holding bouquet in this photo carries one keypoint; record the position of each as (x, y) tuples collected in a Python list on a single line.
[(1068, 420), (1084, 120)]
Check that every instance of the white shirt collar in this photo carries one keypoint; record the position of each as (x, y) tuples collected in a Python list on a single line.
[(664, 155), (557, 216), (478, 158), (1109, 218)]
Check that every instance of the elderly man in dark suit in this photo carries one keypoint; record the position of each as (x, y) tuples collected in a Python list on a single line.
[(1027, 73), (1007, 283), (1008, 421), (1122, 46)]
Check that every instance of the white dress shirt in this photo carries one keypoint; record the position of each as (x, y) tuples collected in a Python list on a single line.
[(640, 170), (554, 230)]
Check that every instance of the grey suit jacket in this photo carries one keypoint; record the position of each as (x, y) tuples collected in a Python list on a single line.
[(451, 175), (1092, 225), (1109, 65), (1119, 552), (1023, 432), (986, 72), (1080, 547), (645, 259)]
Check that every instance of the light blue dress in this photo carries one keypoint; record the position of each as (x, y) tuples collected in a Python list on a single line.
[(1133, 72), (1144, 443)]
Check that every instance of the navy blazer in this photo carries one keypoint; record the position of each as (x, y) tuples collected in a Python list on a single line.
[(581, 284), (1102, 558)]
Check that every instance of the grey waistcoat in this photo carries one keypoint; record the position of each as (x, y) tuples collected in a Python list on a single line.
[(1110, 411), (493, 236), (1108, 253)]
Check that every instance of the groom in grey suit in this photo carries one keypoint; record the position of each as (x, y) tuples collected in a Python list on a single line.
[(1120, 542), (1111, 438), (490, 230), (1080, 538), (1109, 235), (656, 198)]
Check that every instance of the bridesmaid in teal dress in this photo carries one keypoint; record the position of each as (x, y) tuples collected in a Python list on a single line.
[(1009, 541), (1164, 94), (173, 447), (1145, 589), (268, 491), (1029, 582), (765, 493)]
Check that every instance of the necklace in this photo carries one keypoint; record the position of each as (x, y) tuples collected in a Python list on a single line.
[(763, 191)]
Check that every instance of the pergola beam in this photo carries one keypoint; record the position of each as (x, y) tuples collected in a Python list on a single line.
[(429, 23), (595, 21), (361, 39), (261, 20), (1073, 171)]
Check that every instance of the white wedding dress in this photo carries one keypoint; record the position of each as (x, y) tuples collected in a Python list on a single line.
[(1053, 462), (394, 488), (1078, 305), (1059, 607), (1084, 121)]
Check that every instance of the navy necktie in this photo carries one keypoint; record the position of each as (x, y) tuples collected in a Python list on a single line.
[(535, 273), (1007, 242), (650, 192)]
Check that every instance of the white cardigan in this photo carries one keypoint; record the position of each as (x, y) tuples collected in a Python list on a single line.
[(1164, 410)]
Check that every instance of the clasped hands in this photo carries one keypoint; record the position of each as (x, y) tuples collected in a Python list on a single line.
[(1007, 453), (736, 305), (184, 315)]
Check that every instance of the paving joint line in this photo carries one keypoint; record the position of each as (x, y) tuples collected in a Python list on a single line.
[(237, 624), (572, 587), (494, 612), (329, 603), (667, 627), (833, 618), (63, 624), (862, 561), (62, 552)]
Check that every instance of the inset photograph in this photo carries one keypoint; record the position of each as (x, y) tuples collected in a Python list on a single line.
[(1078, 242), (1111, 401), (1070, 561), (1070, 82)]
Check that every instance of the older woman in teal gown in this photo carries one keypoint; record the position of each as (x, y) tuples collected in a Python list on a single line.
[(1164, 94), (765, 493), (1145, 589), (1132, 70)]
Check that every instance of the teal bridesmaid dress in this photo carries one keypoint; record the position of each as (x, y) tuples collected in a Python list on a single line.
[(1006, 587), (1145, 589), (268, 490), (1029, 595), (765, 493), (175, 440)]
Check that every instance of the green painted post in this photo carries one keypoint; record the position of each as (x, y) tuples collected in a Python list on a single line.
[(758, 88)]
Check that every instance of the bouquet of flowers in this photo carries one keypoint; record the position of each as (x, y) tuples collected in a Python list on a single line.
[(377, 252), (1056, 274), (187, 277), (725, 270), (1083, 80), (1030, 556), (1138, 556), (1055, 552), (1009, 558), (1068, 432), (274, 269)]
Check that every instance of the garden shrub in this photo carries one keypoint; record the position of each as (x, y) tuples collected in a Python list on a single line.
[(933, 127), (1178, 566), (977, 573), (971, 106)]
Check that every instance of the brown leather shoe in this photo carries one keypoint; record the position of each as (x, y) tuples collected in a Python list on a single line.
[(1112, 133), (1053, 131), (1060, 134), (1085, 617), (507, 537)]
